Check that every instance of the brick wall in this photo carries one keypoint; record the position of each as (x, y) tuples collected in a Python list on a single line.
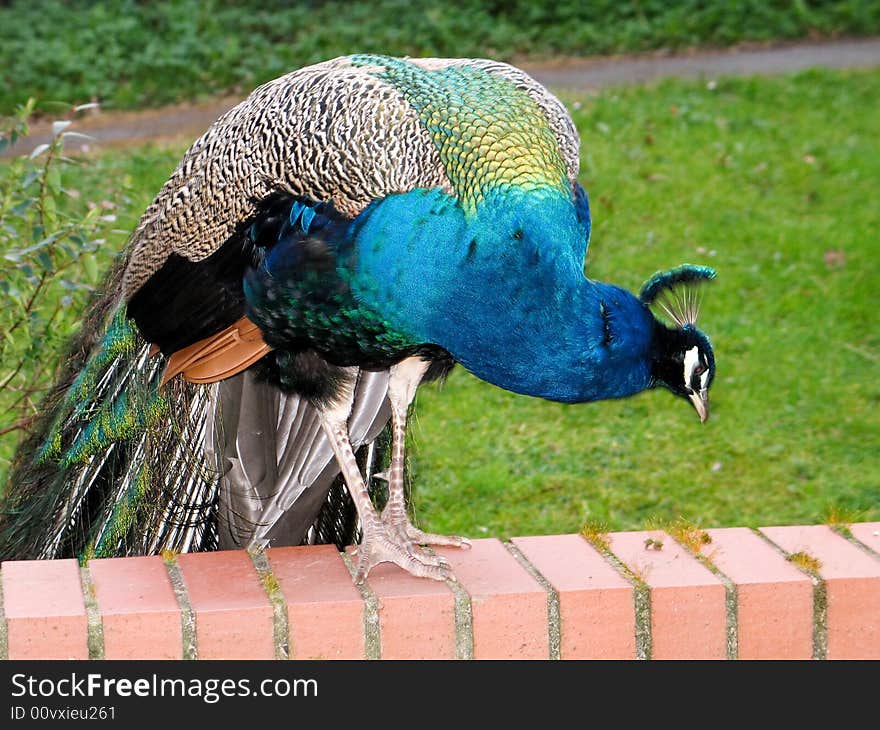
[(793, 592)]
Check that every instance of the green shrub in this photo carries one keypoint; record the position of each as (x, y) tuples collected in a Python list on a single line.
[(134, 54), (51, 238)]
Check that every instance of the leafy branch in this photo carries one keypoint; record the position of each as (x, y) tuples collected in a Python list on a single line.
[(49, 237)]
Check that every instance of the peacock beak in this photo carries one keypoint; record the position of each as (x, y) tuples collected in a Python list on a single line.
[(701, 403)]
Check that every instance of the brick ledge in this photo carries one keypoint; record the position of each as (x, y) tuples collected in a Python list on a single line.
[(794, 592)]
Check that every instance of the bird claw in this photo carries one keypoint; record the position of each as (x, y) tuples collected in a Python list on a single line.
[(379, 548), (393, 539)]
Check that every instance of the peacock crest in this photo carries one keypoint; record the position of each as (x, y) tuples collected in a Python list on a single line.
[(677, 292)]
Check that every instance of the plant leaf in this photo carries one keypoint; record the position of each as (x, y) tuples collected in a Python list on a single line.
[(39, 150)]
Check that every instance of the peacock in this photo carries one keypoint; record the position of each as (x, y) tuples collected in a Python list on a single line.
[(349, 231)]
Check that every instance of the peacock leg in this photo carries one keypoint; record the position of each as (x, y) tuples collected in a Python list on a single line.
[(378, 544), (405, 379)]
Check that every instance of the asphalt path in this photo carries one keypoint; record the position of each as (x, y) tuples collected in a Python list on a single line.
[(185, 122)]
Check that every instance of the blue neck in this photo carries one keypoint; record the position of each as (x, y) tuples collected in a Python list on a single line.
[(503, 291)]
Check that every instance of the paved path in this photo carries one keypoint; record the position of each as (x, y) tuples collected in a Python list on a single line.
[(187, 121), (739, 61)]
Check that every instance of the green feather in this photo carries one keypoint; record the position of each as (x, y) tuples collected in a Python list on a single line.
[(490, 134)]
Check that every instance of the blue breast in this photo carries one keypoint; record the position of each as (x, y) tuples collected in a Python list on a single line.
[(502, 290)]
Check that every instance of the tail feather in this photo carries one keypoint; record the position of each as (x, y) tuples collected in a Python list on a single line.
[(115, 467), (278, 465), (120, 464), (184, 478)]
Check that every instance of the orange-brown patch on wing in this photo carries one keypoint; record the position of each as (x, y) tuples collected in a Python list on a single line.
[(220, 356)]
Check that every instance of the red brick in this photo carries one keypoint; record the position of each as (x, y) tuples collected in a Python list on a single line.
[(416, 615), (325, 611), (596, 609), (867, 533), (138, 607), (774, 599), (45, 611), (509, 606), (688, 614), (852, 584), (234, 618)]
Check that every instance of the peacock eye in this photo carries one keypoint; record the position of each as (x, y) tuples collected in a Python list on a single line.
[(699, 369)]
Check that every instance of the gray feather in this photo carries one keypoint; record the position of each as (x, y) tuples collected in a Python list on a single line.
[(276, 462)]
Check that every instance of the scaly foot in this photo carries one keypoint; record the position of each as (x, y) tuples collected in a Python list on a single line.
[(392, 537), (378, 546)]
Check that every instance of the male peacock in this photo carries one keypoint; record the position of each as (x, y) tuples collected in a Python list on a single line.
[(347, 232)]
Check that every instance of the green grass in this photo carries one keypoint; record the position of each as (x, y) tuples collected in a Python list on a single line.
[(131, 54), (764, 180), (774, 183)]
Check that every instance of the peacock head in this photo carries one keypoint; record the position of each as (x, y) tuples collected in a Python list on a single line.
[(683, 360)]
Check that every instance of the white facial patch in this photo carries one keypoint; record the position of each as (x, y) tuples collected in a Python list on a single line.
[(691, 360)]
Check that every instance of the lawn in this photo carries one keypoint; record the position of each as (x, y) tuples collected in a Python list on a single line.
[(772, 182)]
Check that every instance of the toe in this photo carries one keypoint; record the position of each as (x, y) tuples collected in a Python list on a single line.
[(406, 555), (427, 538)]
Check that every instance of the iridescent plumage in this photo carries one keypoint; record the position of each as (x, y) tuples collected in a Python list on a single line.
[(378, 219)]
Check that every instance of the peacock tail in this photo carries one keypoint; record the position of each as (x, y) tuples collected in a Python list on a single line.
[(122, 464), (115, 465)]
